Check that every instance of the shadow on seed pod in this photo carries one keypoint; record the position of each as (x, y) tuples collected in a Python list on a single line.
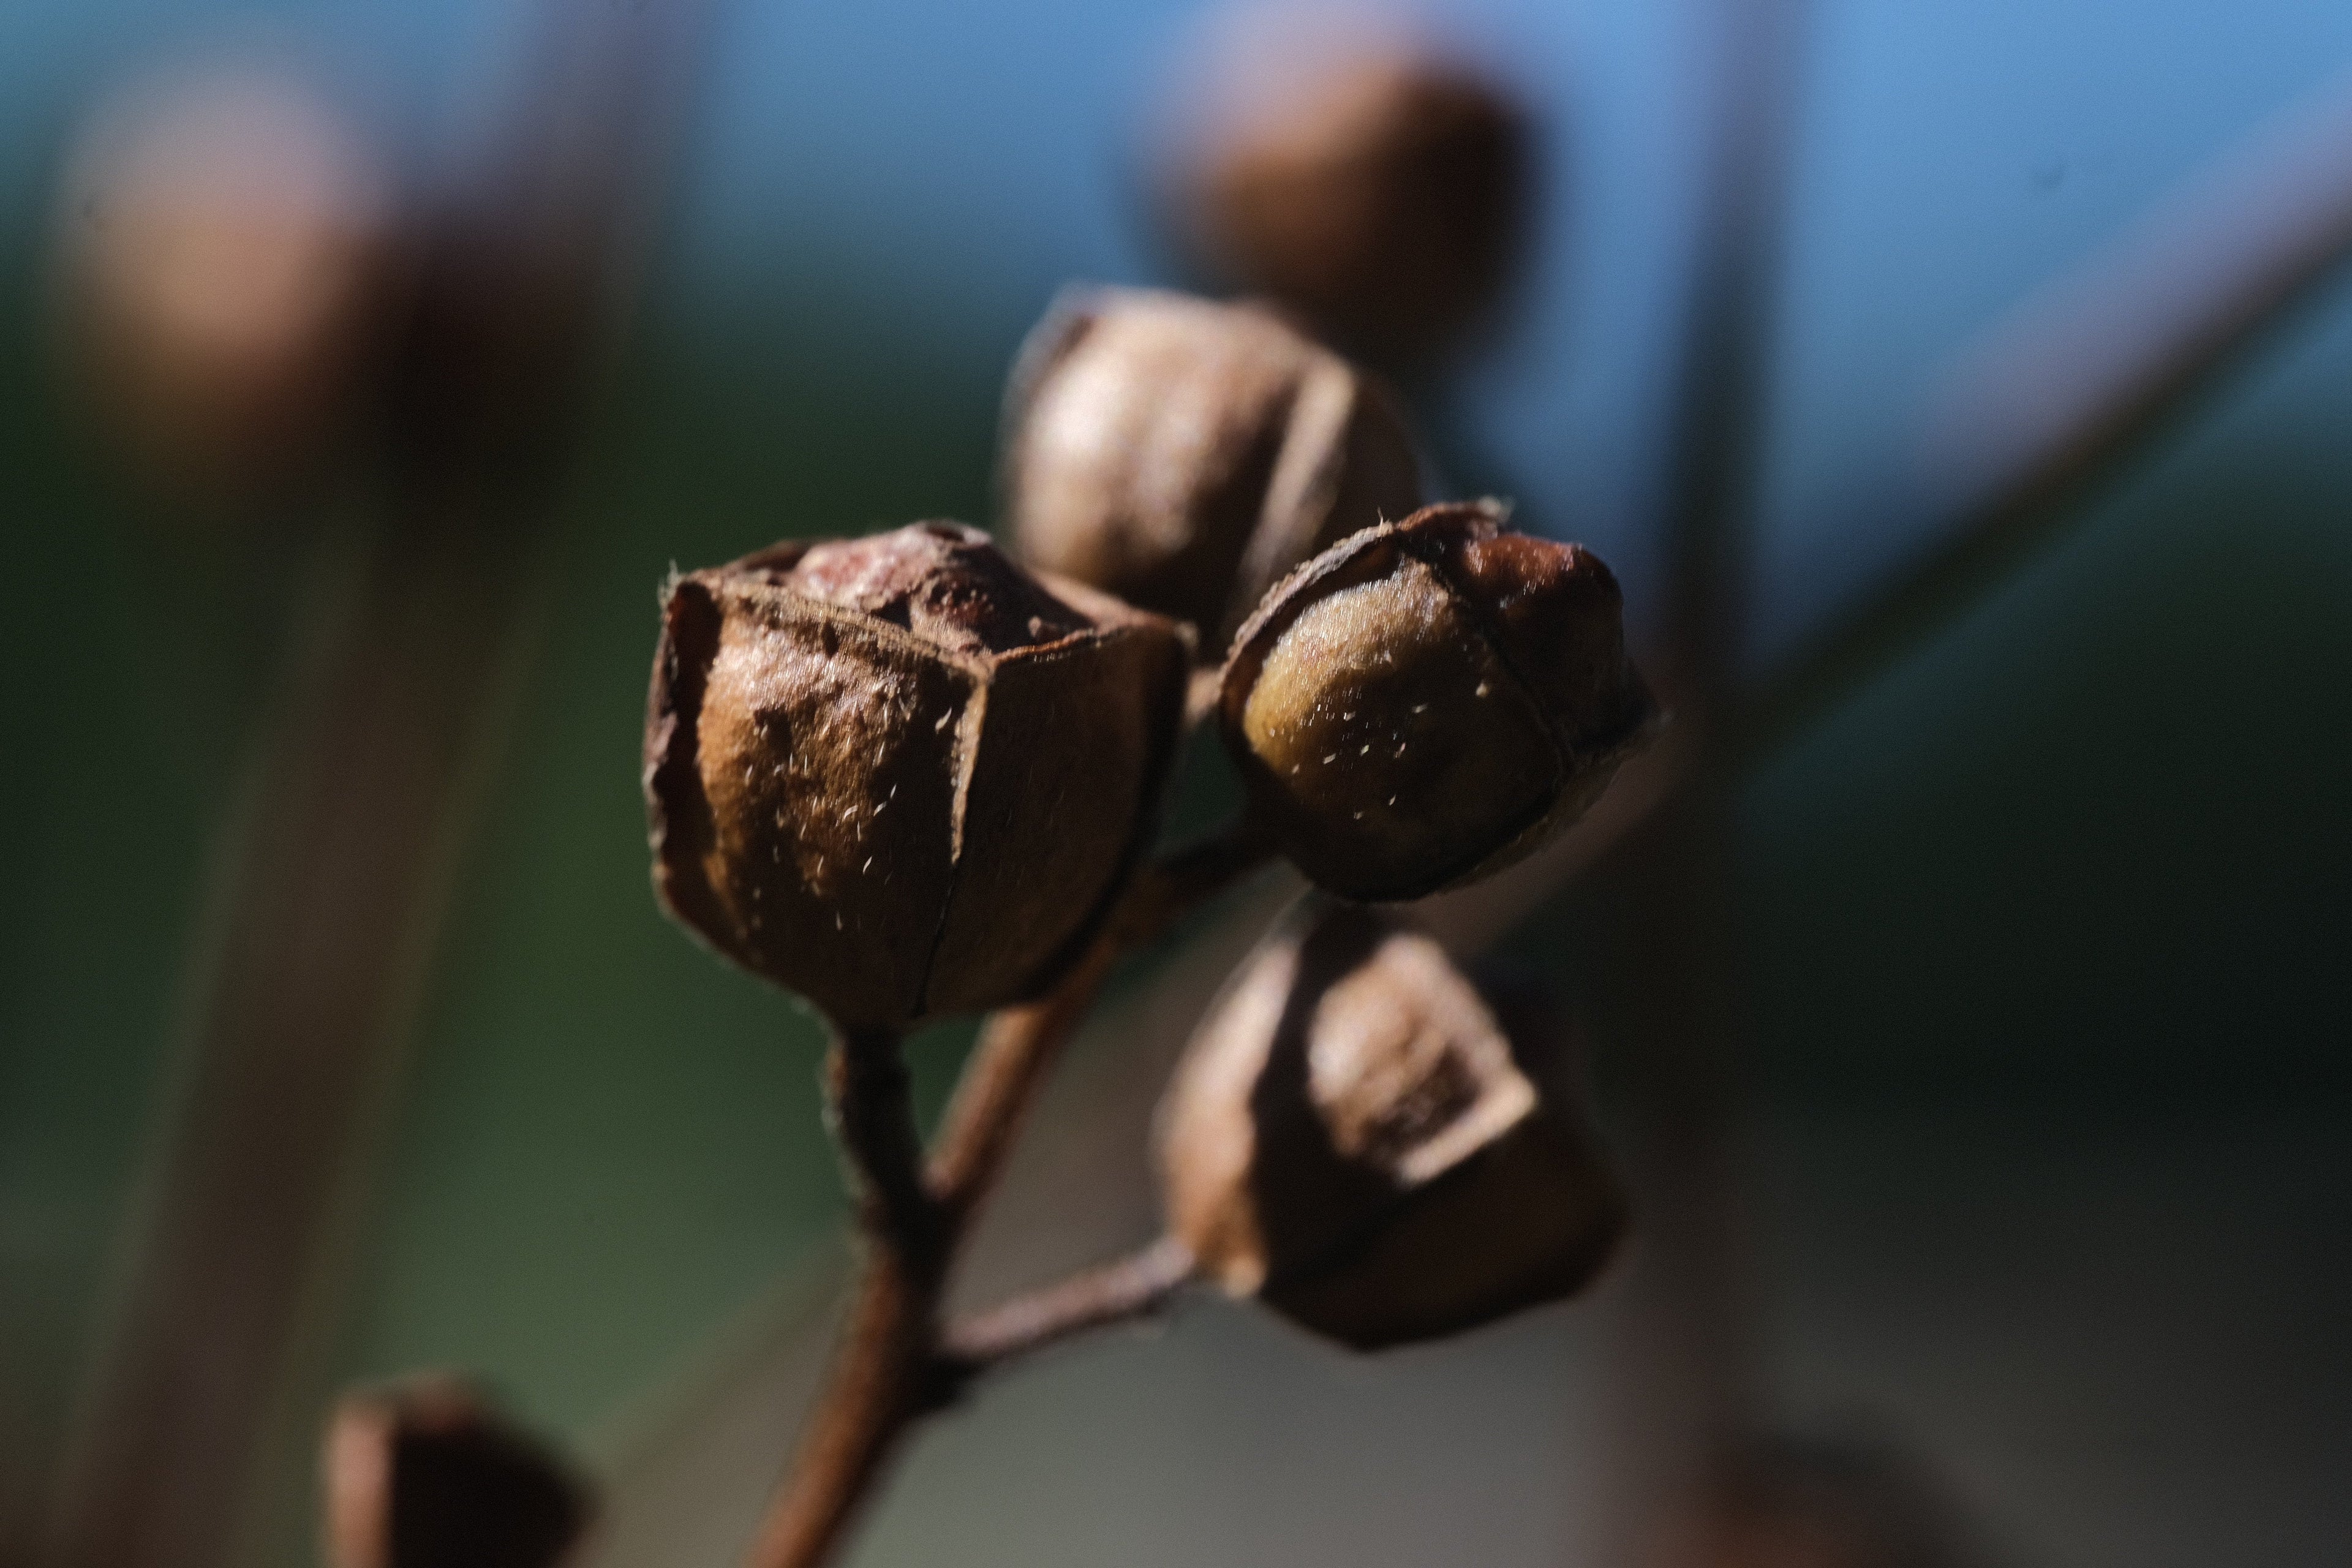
[(426, 1475), (1782, 1501), (1427, 701), (228, 277), (1352, 1138), (899, 776), (1357, 175), (1183, 453)]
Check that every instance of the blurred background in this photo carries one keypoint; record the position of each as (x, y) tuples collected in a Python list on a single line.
[(2041, 1094)]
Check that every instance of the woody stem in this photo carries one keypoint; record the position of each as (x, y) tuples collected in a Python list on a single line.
[(876, 1384), (1141, 1283), (889, 1367), (1019, 1044)]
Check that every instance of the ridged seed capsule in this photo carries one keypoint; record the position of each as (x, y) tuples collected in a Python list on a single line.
[(899, 776), (1428, 701), (1353, 1138), (1183, 455)]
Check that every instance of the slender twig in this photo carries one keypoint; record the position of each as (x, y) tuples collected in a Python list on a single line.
[(888, 1367), (1000, 1078), (1189, 875), (872, 1111), (883, 1356), (1019, 1044), (1136, 1286)]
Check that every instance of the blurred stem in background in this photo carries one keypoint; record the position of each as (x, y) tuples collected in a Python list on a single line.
[(333, 886), (1672, 978), (2057, 398)]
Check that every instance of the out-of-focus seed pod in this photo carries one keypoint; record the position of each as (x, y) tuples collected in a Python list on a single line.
[(1183, 455), (1369, 183), (1353, 1139), (899, 776), (423, 1475), (1786, 1502), (1427, 701), (229, 271)]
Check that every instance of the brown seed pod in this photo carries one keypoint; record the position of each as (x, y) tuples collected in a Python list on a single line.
[(1427, 701), (1352, 1138), (899, 776), (229, 271), (1183, 455), (1375, 187), (425, 1474)]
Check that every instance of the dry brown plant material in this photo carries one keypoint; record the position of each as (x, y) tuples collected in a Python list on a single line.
[(1183, 455), (425, 1474), (1382, 194), (1353, 1139), (229, 269), (899, 776), (903, 777), (1427, 701)]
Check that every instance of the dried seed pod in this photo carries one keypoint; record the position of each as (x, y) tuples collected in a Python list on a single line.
[(1427, 701), (1372, 185), (1183, 455), (1352, 1138), (423, 1475), (899, 776), (229, 269)]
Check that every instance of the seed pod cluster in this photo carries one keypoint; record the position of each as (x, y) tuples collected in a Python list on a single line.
[(1428, 701), (1183, 455), (423, 1475), (899, 776), (1381, 192), (1353, 1139)]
